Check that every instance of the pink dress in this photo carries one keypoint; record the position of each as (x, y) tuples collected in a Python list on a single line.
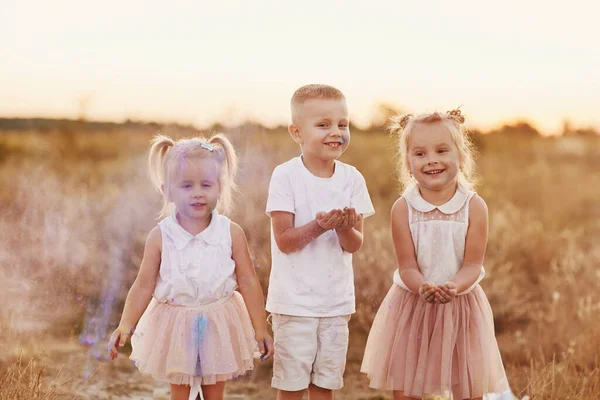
[(196, 330), (427, 349)]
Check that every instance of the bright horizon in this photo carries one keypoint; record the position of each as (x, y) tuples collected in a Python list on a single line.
[(200, 63)]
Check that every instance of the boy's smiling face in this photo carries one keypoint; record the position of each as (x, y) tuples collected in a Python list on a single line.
[(321, 128)]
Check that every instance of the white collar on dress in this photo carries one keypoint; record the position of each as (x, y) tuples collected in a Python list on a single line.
[(181, 237), (462, 194)]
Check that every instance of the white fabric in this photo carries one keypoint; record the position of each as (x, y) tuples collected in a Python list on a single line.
[(195, 269), (195, 391), (318, 280), (438, 234), (309, 350)]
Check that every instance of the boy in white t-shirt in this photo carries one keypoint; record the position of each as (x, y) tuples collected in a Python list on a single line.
[(316, 204)]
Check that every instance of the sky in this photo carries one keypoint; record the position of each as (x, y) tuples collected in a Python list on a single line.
[(200, 62)]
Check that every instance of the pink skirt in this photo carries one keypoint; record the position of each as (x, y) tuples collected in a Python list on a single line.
[(194, 346), (435, 349)]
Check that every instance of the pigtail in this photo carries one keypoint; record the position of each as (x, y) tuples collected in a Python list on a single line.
[(398, 123), (466, 148), (456, 116), (160, 145), (398, 127), (229, 162)]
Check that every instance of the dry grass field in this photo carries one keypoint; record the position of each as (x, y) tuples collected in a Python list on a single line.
[(76, 205)]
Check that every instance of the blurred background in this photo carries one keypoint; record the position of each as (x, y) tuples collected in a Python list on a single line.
[(85, 85)]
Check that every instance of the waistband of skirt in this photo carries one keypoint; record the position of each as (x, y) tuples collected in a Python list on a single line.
[(198, 307)]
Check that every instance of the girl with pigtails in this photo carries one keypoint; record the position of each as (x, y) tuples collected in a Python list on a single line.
[(433, 336), (195, 312)]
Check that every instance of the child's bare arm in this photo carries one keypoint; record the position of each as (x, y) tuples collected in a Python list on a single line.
[(290, 238), (249, 287), (350, 233), (405, 253), (475, 246), (141, 291)]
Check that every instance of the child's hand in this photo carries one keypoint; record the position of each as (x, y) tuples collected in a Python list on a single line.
[(428, 292), (330, 220), (351, 218), (265, 345), (118, 337), (447, 292)]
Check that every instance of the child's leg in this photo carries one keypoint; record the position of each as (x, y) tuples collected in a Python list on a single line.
[(399, 395), (287, 395), (318, 393), (180, 392), (214, 392), (295, 349), (330, 362)]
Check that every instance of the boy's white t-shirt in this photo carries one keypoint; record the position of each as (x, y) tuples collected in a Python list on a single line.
[(318, 280)]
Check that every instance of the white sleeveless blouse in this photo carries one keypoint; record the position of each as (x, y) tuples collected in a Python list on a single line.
[(439, 235), (195, 269)]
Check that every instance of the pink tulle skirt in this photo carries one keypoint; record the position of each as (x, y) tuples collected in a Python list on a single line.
[(432, 349), (194, 346)]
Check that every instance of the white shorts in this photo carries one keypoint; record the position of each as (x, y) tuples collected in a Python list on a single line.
[(309, 350)]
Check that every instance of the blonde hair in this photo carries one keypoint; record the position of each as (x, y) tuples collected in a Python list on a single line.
[(314, 91), (166, 155), (403, 125)]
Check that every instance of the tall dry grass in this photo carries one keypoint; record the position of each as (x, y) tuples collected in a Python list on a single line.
[(25, 381), (75, 209)]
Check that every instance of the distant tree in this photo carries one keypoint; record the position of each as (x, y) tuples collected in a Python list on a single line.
[(521, 128), (586, 132), (382, 113), (568, 130), (83, 103)]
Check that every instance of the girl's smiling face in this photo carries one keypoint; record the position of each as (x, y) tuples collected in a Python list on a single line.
[(432, 156)]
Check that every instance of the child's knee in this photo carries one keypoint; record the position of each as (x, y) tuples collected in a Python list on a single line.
[(319, 393), (290, 395), (315, 388), (214, 392), (180, 392)]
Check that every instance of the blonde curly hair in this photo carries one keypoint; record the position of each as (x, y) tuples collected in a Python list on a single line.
[(403, 125)]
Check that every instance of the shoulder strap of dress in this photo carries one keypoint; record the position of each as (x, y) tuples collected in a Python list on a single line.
[(467, 205), (226, 228), (165, 226), (410, 211), (165, 233)]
